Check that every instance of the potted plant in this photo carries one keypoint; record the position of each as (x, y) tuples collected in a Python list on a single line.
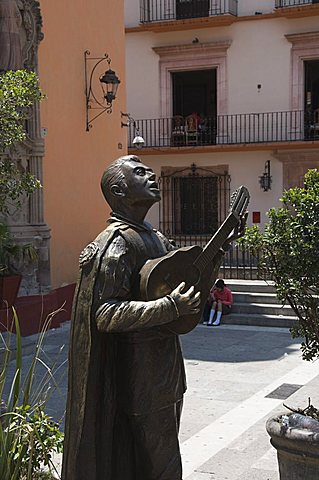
[(28, 436), (296, 438), (18, 91), (11, 254), (288, 253)]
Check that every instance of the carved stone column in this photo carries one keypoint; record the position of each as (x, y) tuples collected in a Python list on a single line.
[(28, 226), (36, 199)]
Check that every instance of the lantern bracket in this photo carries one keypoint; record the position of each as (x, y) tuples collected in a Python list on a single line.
[(265, 180), (101, 102)]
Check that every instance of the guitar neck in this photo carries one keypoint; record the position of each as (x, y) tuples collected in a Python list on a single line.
[(216, 242)]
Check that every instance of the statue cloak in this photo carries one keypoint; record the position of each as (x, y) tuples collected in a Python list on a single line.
[(91, 371)]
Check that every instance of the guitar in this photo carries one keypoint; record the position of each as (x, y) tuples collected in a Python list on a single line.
[(192, 265)]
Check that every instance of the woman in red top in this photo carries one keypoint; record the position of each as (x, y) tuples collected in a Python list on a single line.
[(222, 302)]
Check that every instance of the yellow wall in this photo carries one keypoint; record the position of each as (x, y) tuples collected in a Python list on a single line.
[(75, 159)]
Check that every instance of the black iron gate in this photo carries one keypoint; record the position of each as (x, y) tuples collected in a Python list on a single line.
[(195, 202)]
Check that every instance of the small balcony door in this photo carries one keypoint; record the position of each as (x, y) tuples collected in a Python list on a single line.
[(192, 8), (195, 92)]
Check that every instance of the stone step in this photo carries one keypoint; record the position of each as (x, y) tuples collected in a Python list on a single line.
[(250, 286), (256, 303), (262, 308), (259, 320), (255, 297)]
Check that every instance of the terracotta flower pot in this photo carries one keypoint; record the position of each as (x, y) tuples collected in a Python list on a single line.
[(297, 448)]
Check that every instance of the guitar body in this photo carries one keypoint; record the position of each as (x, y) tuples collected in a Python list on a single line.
[(192, 265), (161, 275)]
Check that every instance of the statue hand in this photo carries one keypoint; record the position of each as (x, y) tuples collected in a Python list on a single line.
[(186, 303), (238, 232)]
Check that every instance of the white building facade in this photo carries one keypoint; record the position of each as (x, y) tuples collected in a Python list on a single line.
[(223, 92)]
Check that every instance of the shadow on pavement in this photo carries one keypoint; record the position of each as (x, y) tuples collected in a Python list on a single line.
[(216, 344)]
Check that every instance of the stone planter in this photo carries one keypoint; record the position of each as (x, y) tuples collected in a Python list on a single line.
[(33, 310), (297, 448), (9, 287)]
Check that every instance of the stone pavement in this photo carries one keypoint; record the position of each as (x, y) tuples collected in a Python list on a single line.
[(230, 369)]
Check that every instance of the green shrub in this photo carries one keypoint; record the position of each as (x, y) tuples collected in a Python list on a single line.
[(14, 186), (28, 436), (18, 91), (288, 251)]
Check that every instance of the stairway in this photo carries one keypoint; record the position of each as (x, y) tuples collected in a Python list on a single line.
[(255, 303)]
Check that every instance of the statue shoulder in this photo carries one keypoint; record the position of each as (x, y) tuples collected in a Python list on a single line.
[(101, 243), (88, 253), (169, 244)]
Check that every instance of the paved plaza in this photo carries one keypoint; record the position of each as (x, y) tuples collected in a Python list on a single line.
[(231, 370)]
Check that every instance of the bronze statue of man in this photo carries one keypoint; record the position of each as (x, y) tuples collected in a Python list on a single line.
[(126, 371)]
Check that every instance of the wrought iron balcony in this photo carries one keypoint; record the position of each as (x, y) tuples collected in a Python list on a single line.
[(245, 128), (167, 10), (294, 3)]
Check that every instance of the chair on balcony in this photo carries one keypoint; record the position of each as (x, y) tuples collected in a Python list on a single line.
[(191, 129), (178, 131)]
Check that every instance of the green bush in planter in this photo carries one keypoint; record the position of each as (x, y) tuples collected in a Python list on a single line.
[(288, 251), (28, 436)]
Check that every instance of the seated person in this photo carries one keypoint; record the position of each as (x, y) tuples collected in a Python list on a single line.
[(207, 308), (222, 301), (197, 119)]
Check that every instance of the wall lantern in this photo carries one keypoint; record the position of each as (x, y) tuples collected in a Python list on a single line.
[(138, 140), (265, 179), (108, 82)]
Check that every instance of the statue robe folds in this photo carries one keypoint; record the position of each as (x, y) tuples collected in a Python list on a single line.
[(121, 357)]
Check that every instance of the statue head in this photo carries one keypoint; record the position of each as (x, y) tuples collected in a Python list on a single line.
[(127, 181)]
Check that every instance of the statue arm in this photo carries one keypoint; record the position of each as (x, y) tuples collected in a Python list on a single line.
[(127, 316), (114, 309)]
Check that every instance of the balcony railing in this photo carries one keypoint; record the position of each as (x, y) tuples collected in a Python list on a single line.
[(245, 128), (166, 10), (294, 3)]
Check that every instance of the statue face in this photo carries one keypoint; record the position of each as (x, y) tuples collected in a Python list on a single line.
[(141, 183)]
